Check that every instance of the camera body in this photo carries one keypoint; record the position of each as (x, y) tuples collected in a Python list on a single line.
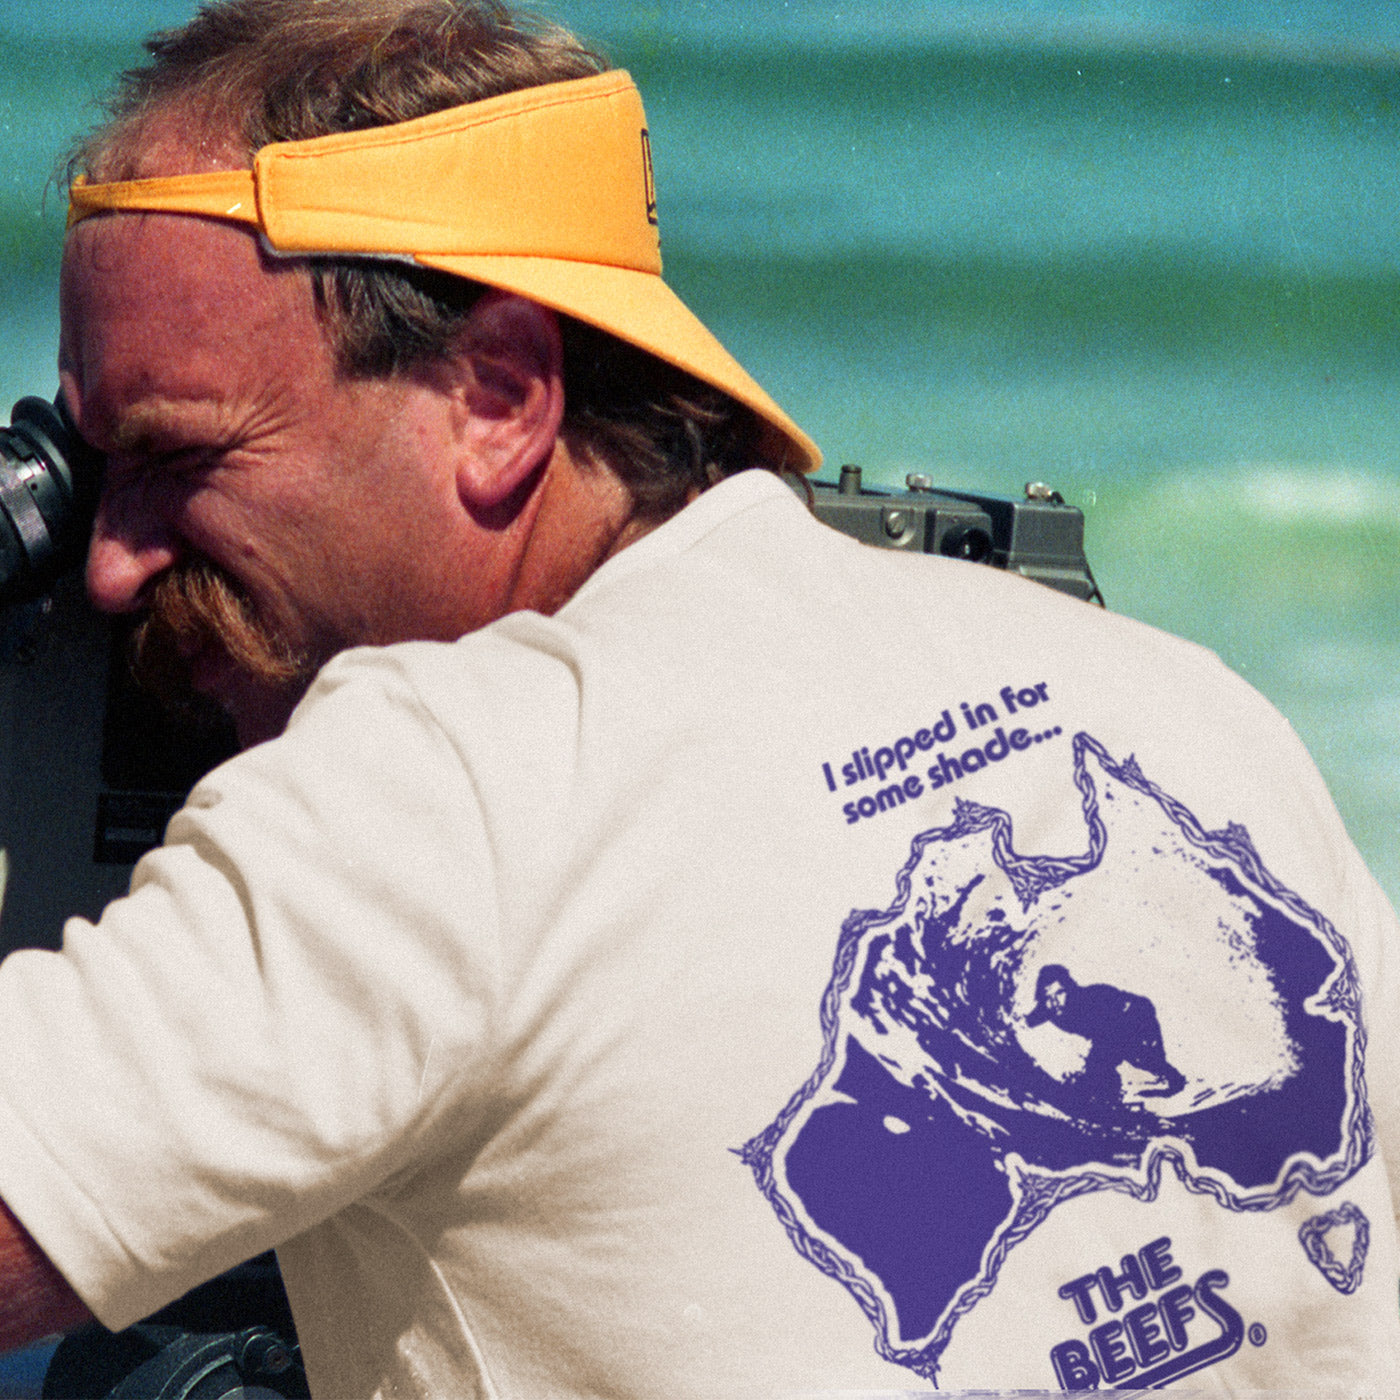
[(1038, 536)]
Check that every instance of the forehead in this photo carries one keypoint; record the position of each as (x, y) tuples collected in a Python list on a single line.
[(160, 306)]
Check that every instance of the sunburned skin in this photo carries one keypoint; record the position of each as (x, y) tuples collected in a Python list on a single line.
[(37, 1300), (342, 511)]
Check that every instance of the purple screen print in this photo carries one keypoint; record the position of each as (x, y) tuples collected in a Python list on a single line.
[(1016, 1030)]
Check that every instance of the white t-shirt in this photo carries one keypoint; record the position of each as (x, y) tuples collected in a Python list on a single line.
[(793, 968)]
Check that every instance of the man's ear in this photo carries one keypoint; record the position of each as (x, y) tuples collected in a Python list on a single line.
[(507, 388)]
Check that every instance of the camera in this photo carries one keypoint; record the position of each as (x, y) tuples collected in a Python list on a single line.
[(1038, 537), (49, 481), (94, 768)]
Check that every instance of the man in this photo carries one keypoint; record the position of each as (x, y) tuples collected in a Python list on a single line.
[(544, 989), (1121, 1028)]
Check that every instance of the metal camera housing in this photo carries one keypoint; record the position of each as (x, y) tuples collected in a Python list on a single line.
[(1038, 537)]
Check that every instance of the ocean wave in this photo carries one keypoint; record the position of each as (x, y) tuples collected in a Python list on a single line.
[(1119, 300), (1318, 495)]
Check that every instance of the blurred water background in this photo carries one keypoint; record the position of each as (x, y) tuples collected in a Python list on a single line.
[(1144, 250)]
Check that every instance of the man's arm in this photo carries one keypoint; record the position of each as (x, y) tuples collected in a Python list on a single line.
[(35, 1299)]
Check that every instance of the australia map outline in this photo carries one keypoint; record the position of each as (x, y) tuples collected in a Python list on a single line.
[(1021, 1029)]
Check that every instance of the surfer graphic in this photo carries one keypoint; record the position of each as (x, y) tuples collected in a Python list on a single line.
[(1121, 1027)]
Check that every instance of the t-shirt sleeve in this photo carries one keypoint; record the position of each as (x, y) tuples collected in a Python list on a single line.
[(291, 1004)]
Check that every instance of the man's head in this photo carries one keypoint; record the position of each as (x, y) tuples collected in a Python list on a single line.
[(312, 452), (1052, 989)]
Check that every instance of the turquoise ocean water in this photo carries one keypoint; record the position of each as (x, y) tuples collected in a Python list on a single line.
[(1146, 252)]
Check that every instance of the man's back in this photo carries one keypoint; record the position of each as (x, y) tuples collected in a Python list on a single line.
[(642, 1003)]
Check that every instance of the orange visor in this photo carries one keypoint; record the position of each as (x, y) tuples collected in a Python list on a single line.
[(546, 192)]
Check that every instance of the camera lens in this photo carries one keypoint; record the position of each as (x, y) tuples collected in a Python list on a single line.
[(48, 488)]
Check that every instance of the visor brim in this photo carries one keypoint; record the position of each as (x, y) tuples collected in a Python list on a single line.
[(640, 308)]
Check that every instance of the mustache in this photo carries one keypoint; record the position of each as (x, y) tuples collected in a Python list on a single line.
[(194, 606)]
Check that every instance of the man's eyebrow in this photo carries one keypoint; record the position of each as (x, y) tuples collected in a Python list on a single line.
[(158, 423)]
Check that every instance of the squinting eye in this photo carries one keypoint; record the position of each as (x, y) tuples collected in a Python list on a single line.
[(182, 460)]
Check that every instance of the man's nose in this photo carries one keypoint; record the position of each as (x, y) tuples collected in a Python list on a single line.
[(128, 551)]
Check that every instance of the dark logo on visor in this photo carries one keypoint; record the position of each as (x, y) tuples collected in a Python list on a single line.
[(649, 179)]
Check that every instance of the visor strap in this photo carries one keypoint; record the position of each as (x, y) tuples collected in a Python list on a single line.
[(217, 194)]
